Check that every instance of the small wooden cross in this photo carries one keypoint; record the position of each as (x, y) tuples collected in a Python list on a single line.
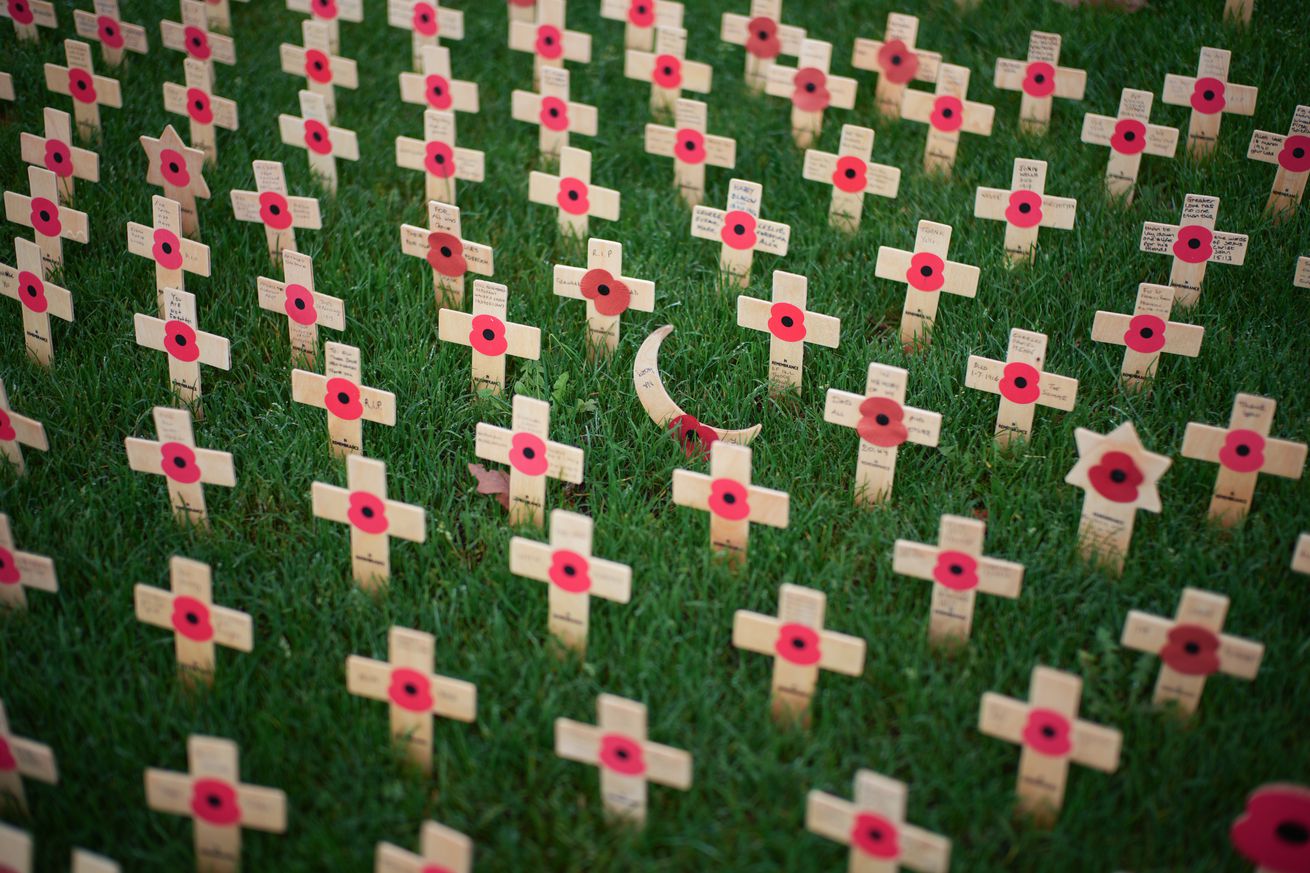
[(532, 457), (948, 112), (322, 70), (790, 326), (691, 147), (1210, 95), (330, 13), (607, 292), (1025, 208), (1238, 11), (449, 255), (764, 36), (25, 759), (554, 114), (547, 38), (489, 333), (55, 151), (193, 37), (196, 100), (17, 431), (185, 468), (896, 61), (40, 299), (15, 849), (617, 745), (442, 849), (427, 21), (436, 87), (1301, 555), (926, 273), (733, 503), (78, 80), (812, 88), (179, 170), (163, 243), (741, 230), (89, 862), (1052, 736), (1022, 384), (212, 794), (28, 15), (348, 401), (800, 648), (642, 18), (321, 142), (272, 206), (573, 574), (21, 570), (176, 332), (1041, 79), (959, 572), (415, 692), (438, 158), (572, 193), (874, 827), (305, 308), (1147, 334), (373, 519), (1292, 155), (188, 610), (1243, 451), (1193, 242), (851, 176), (667, 69), (1301, 278), (1129, 135), (7, 84), (1119, 476), (106, 26), (883, 422), (50, 222)]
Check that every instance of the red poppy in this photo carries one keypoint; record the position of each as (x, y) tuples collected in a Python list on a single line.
[(367, 512), (488, 335), (798, 644), (318, 66), (694, 436), (446, 254), (1193, 244), (110, 33), (667, 72), (299, 304), (425, 19), (166, 251), (1116, 477), (690, 146), (897, 62), (882, 422), (1039, 79), (926, 273), (1243, 451), (762, 38), (524, 4), (197, 43), (1191, 650), (956, 570), (554, 114), (32, 294), (641, 13), (410, 690), (214, 802), (81, 85), (875, 836), (173, 168), (569, 571), (1048, 733), (787, 322), (527, 454), (947, 113), (1025, 209), (274, 210), (738, 230), (316, 137), (9, 573), (437, 90), (45, 217), (622, 755), (342, 399), (20, 12), (58, 158), (1129, 136), (1145, 333), (178, 462), (439, 159), (1274, 830), (180, 340), (572, 196), (851, 174), (197, 106), (550, 42), (1020, 383), (1295, 156), (191, 619), (1208, 96), (609, 295), (728, 499), (7, 762), (326, 9), (810, 90)]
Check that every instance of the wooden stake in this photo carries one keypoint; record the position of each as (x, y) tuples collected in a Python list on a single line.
[(948, 113), (449, 255), (28, 15), (78, 80), (851, 176), (107, 27), (20, 571), (321, 142), (667, 69), (192, 36), (1041, 79), (641, 19), (874, 827), (373, 519), (196, 100), (1193, 242), (1022, 384), (896, 61), (40, 299), (51, 223), (272, 206), (322, 70), (1129, 135), (489, 333), (348, 401), (764, 36), (179, 170), (1025, 208), (177, 334), (330, 13), (812, 89), (162, 242), (27, 759), (88, 862), (427, 21), (691, 147), (1238, 11), (790, 326), (1147, 334), (573, 194), (741, 231), (438, 158), (305, 308), (55, 151), (1210, 95), (607, 292), (733, 503), (185, 468), (926, 273), (1292, 155), (547, 38), (188, 610), (532, 458), (443, 848), (553, 113)]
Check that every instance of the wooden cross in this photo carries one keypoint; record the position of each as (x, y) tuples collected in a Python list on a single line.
[(812, 88), (438, 158), (436, 87), (896, 61), (741, 230), (321, 142), (1191, 647), (851, 176), (322, 70), (106, 26), (800, 648), (40, 300), (1301, 278), (1292, 155), (373, 519), (449, 255), (733, 503), (330, 13), (7, 85), (1210, 95), (21, 570), (1193, 242), (1119, 476), (23, 758), (1025, 208), (212, 794), (926, 273), (348, 401), (17, 431), (89, 862), (572, 193), (196, 100), (1301, 555), (427, 21), (163, 243), (883, 422), (1052, 736), (188, 610), (607, 292), (547, 38), (790, 326), (1129, 135), (193, 37), (617, 745), (532, 457), (1238, 11), (764, 36), (522, 10), (1022, 384), (415, 692), (959, 572), (667, 69), (55, 151), (489, 333), (50, 222), (28, 15), (272, 206), (306, 309), (185, 468), (691, 147), (948, 112), (1147, 334), (1243, 451), (874, 827), (554, 114), (179, 170), (573, 574), (1041, 79), (442, 849), (176, 332), (78, 80), (15, 849), (642, 18)]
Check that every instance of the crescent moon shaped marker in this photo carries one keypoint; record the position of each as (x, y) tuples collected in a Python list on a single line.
[(655, 397)]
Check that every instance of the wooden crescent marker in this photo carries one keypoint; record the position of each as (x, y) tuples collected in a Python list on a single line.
[(655, 397)]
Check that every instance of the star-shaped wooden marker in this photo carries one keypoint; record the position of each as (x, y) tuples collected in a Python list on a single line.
[(179, 170)]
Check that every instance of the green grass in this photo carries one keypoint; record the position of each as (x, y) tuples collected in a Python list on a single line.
[(80, 673)]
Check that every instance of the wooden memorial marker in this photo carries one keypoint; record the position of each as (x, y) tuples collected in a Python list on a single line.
[(812, 88), (734, 504), (50, 222), (272, 206), (415, 692), (40, 299), (212, 794), (489, 333), (449, 255), (874, 827), (1147, 334), (851, 176), (20, 571), (883, 422), (1301, 555), (571, 192), (1238, 11), (28, 15), (1041, 79), (1193, 242), (959, 572), (1022, 384), (55, 151), (162, 242), (691, 147), (330, 13), (196, 100), (554, 114), (89, 92), (1301, 279), (177, 333), (348, 401), (106, 26), (185, 468), (790, 326), (1025, 208), (438, 158), (764, 36), (642, 18), (373, 519), (547, 38), (741, 230), (179, 170), (1210, 95), (531, 456), (7, 87), (607, 292), (573, 574), (1292, 155), (896, 61), (1052, 736), (89, 862), (15, 850), (948, 113), (322, 70), (800, 648), (427, 21), (617, 745), (437, 88), (1243, 451), (667, 69), (188, 610), (24, 759), (442, 850), (926, 273), (192, 36), (305, 308), (322, 143), (17, 431), (1129, 135), (1119, 477)]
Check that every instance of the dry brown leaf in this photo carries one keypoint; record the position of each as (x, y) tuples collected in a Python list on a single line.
[(493, 482)]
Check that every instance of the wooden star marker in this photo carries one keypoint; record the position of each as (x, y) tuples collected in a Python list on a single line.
[(554, 114), (177, 334), (927, 274), (40, 300), (212, 794), (185, 468), (1292, 155), (305, 308), (572, 193), (896, 61), (1022, 384), (28, 15), (163, 243), (1147, 334), (948, 112), (812, 89), (790, 326), (800, 648), (532, 458), (55, 151), (436, 87), (415, 692), (1243, 451), (851, 176), (322, 70), (1052, 736), (1025, 208), (179, 170), (1193, 243), (573, 575), (1041, 79), (106, 26), (78, 80), (489, 333), (193, 37), (1129, 135), (17, 431), (450, 256), (1191, 647), (330, 13), (321, 142), (373, 519), (348, 401), (438, 158), (549, 41), (1119, 477), (733, 503), (764, 36), (883, 422), (607, 292), (627, 760), (741, 231), (196, 100), (427, 21), (692, 148), (667, 69), (272, 206), (27, 759), (874, 827), (198, 626), (642, 18), (441, 848), (51, 223), (20, 571), (1210, 95)]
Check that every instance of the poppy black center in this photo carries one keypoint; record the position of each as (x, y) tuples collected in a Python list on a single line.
[(956, 570), (488, 334), (436, 89), (423, 16), (603, 290), (896, 60), (1020, 382), (764, 34), (1298, 152), (689, 146), (550, 40), (318, 137), (367, 512), (445, 251), (45, 215), (31, 290), (787, 321), (554, 113), (925, 271), (621, 754), (318, 65), (59, 157), (1293, 832), (275, 209), (1039, 78), (668, 71), (173, 167), (1243, 450), (739, 229), (109, 31), (850, 172), (529, 453), (810, 86), (167, 248), (875, 834), (200, 104), (641, 10), (1193, 243), (947, 113), (411, 688), (882, 419), (214, 800), (730, 498), (573, 195), (797, 643), (1147, 333), (195, 41), (300, 304), (180, 463), (1192, 648), (1118, 476), (570, 570), (1025, 208), (342, 397), (1209, 95), (1130, 136), (192, 618), (440, 159), (180, 340), (1048, 731)]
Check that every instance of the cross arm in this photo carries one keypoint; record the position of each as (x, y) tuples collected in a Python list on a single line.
[(262, 809), (29, 432), (842, 653), (168, 792), (768, 506), (1096, 746), (754, 632), (666, 765), (406, 521), (842, 407), (35, 760), (330, 502), (37, 571), (691, 489), (564, 462), (216, 468), (575, 741), (454, 698)]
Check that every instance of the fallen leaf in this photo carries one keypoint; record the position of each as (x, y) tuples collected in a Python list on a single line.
[(492, 482)]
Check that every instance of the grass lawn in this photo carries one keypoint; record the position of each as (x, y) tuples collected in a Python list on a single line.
[(80, 673)]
